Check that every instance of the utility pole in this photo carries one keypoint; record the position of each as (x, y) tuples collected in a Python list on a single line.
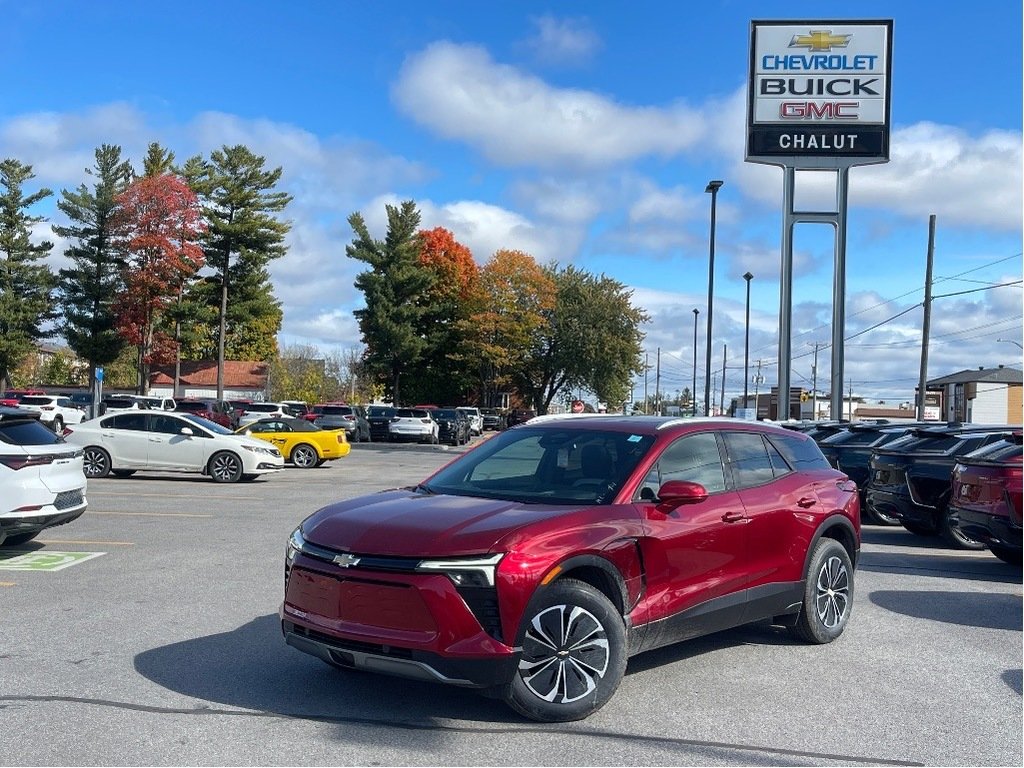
[(849, 409), (814, 384), (657, 385), (757, 383), (721, 402), (647, 368), (926, 326), (711, 389)]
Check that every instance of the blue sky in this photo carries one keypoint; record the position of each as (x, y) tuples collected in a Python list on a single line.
[(578, 132)]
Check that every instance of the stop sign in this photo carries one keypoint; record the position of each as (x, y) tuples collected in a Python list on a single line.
[(577, 406)]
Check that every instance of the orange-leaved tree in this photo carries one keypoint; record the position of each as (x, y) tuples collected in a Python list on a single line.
[(156, 229), (510, 312), (443, 373)]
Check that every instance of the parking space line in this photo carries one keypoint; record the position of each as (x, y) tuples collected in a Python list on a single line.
[(8, 584), (77, 541), (93, 493), (149, 514)]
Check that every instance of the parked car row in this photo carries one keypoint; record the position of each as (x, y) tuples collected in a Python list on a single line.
[(958, 481)]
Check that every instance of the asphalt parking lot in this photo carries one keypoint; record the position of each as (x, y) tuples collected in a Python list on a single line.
[(165, 650)]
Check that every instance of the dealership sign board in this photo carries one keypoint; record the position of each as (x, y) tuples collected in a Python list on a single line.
[(819, 92)]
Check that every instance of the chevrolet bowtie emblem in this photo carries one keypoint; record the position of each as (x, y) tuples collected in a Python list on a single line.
[(820, 40), (346, 560)]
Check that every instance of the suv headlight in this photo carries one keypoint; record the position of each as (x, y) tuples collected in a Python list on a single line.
[(477, 571), (295, 545)]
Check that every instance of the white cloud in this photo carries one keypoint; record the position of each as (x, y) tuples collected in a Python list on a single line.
[(563, 40), (514, 119), (484, 228), (965, 179)]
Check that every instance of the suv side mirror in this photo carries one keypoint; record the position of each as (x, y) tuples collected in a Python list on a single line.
[(676, 493)]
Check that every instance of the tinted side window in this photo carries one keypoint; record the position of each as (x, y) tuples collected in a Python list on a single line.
[(748, 458), (694, 458), (136, 421), (800, 453), (166, 425), (779, 465)]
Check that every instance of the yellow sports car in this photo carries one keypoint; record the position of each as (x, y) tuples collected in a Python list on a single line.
[(300, 442)]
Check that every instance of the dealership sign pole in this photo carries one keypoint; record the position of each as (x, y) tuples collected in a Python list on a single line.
[(818, 100)]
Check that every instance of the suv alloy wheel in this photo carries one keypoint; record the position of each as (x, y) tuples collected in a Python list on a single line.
[(574, 654)]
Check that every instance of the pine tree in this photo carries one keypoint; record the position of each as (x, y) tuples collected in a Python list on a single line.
[(88, 287), (243, 236), (158, 161), (26, 286), (391, 323)]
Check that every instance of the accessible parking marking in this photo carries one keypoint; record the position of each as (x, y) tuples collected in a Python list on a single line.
[(44, 561)]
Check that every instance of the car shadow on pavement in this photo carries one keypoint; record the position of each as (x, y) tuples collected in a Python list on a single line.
[(944, 563), (251, 668), (1014, 678), (969, 609)]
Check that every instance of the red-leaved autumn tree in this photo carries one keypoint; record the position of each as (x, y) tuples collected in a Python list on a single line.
[(157, 226)]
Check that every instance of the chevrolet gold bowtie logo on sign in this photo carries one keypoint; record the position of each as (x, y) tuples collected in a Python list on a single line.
[(820, 40)]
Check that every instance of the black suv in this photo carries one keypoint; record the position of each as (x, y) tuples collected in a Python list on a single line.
[(492, 419), (453, 426), (379, 417), (911, 478), (849, 451)]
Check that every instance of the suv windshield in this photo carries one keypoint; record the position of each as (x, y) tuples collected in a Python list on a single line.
[(545, 466), (35, 400), (336, 410), (193, 406), (381, 410), (263, 407)]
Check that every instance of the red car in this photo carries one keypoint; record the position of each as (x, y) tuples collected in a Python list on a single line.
[(535, 565), (985, 502), (12, 397)]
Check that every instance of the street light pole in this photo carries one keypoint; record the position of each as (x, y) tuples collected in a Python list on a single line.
[(712, 187), (746, 340), (693, 392)]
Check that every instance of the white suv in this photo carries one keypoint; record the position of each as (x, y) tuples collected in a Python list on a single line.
[(42, 482), (54, 410)]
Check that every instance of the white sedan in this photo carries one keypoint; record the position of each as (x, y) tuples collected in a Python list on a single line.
[(123, 443)]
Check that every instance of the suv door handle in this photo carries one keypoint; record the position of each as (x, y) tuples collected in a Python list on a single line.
[(806, 502), (732, 517)]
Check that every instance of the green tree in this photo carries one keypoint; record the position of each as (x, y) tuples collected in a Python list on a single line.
[(26, 286), (88, 287), (243, 235), (60, 370), (392, 321), (591, 341), (158, 161)]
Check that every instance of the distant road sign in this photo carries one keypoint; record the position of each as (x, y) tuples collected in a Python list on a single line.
[(577, 406)]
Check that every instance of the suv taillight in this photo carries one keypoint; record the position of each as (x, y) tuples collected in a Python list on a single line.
[(20, 462)]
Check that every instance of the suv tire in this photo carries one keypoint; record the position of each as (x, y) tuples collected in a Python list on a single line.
[(828, 594), (573, 657)]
